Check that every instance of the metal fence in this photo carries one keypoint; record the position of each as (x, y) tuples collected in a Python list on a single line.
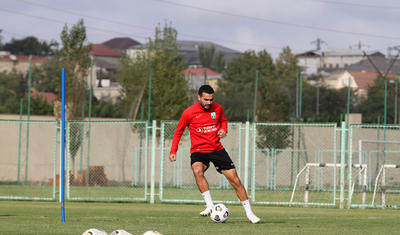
[(107, 161), (374, 146), (278, 163)]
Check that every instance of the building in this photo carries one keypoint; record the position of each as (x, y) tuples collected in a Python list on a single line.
[(358, 80), (189, 51), (20, 63), (106, 62), (331, 60), (196, 76)]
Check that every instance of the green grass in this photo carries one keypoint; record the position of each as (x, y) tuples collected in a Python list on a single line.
[(25, 217)]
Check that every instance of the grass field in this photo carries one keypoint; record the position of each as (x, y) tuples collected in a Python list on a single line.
[(26, 217)]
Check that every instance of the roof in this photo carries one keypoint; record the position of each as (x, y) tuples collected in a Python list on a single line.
[(199, 71), (47, 96), (364, 78), (103, 50), (189, 51), (121, 44), (23, 58), (381, 63)]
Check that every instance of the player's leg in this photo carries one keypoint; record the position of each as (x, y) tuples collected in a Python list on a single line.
[(224, 165), (233, 178), (198, 168)]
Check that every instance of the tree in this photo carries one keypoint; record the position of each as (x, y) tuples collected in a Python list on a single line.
[(236, 89), (287, 72), (332, 103), (74, 57), (30, 46), (168, 93), (373, 106), (210, 59)]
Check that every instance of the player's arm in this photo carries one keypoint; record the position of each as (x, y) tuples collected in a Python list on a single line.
[(183, 123), (224, 125)]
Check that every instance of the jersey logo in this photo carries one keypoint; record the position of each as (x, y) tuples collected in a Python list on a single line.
[(213, 115)]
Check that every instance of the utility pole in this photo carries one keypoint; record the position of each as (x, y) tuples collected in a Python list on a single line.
[(318, 42)]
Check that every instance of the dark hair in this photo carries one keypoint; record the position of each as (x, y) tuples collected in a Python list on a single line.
[(206, 89)]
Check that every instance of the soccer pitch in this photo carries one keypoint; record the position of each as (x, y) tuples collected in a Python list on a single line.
[(27, 217)]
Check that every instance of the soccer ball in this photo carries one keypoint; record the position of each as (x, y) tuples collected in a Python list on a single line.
[(120, 232), (219, 213), (151, 232), (94, 231)]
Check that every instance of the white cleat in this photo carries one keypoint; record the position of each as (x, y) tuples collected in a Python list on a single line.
[(253, 219), (206, 211)]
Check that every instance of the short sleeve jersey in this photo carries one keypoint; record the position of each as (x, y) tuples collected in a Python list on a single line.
[(203, 127)]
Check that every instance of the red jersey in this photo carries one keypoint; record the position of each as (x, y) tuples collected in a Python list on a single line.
[(203, 127)]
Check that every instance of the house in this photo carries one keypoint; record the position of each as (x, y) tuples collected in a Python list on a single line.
[(189, 51), (195, 76), (20, 63), (106, 62), (331, 60), (121, 44), (358, 80)]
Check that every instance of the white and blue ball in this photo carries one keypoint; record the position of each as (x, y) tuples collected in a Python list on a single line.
[(219, 213)]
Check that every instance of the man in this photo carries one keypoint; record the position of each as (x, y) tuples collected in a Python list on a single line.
[(207, 125)]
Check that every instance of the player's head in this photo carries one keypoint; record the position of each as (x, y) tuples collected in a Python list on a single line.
[(206, 96)]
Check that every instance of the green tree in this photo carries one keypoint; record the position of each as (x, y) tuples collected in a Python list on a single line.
[(236, 89), (168, 92), (210, 59), (30, 46), (74, 57), (332, 103), (373, 106)]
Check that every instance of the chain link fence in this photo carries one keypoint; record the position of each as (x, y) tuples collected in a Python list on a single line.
[(374, 146), (278, 163), (282, 154), (28, 160), (107, 160), (177, 183)]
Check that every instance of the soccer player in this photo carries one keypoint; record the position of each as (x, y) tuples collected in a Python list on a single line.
[(207, 125)]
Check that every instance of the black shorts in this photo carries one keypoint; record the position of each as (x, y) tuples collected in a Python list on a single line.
[(220, 159)]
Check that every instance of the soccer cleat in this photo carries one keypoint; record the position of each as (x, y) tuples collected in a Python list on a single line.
[(206, 211), (253, 219)]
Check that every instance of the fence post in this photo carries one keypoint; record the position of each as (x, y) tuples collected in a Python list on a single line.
[(153, 160), (246, 156), (342, 162)]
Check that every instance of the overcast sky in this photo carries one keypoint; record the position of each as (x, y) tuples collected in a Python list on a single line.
[(237, 24)]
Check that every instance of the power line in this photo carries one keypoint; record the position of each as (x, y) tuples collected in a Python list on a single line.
[(278, 22), (129, 25), (61, 22), (385, 7)]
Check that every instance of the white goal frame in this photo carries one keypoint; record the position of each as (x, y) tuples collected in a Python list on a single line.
[(362, 170), (382, 173)]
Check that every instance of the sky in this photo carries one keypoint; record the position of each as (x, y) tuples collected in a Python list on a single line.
[(238, 24)]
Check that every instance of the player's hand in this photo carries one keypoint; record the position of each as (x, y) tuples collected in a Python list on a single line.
[(221, 133), (172, 157)]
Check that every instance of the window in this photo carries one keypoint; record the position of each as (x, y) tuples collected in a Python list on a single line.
[(337, 66), (330, 66)]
